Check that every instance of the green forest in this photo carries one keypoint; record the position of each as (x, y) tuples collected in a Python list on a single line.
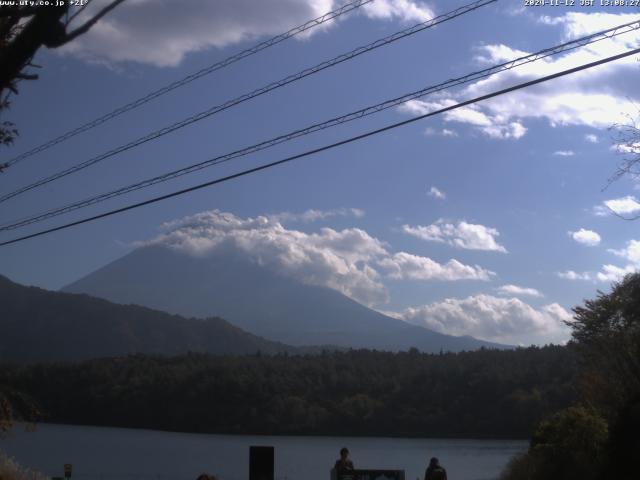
[(486, 393)]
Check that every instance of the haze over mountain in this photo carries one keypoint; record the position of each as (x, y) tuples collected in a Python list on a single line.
[(39, 325), (256, 299)]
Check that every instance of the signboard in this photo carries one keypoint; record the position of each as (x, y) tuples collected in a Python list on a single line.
[(67, 470), (372, 475), (261, 463)]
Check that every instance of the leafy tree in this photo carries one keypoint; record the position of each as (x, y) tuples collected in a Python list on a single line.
[(574, 443), (15, 406), (568, 445), (606, 333)]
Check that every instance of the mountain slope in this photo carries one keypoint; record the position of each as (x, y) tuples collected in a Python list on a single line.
[(258, 300), (37, 324)]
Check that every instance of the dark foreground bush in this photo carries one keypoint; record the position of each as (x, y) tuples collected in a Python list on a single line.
[(12, 470), (568, 445)]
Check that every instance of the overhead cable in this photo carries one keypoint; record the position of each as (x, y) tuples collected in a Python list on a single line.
[(324, 148), (248, 96), (478, 75)]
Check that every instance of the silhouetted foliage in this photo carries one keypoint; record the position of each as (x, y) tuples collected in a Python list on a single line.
[(606, 334), (24, 28), (570, 444), (575, 443), (486, 393), (15, 406)]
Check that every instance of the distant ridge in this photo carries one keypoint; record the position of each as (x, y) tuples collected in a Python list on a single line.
[(258, 300), (40, 325)]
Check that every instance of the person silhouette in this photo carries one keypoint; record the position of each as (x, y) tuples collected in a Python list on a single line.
[(206, 476), (435, 471), (344, 465)]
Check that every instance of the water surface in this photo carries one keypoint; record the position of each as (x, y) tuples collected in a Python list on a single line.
[(116, 453)]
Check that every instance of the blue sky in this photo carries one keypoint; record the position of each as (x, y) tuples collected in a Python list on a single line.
[(489, 221)]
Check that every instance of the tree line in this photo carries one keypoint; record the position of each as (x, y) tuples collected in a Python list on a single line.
[(482, 394)]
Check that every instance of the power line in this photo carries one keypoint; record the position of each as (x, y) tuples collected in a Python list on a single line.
[(567, 46), (346, 8), (261, 91), (327, 147)]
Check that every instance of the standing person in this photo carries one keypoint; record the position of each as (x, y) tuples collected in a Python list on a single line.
[(343, 465), (435, 471)]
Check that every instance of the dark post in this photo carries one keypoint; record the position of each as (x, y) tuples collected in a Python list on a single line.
[(261, 463)]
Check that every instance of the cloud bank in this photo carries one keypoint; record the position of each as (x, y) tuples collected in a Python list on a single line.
[(350, 260), (162, 33), (468, 236), (506, 320), (594, 98)]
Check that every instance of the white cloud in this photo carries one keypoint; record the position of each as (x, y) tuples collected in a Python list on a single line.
[(509, 130), (345, 260), (631, 252), (313, 215), (435, 192), (336, 259), (491, 126), (586, 237), (445, 132), (591, 138), (564, 153), (507, 320), (519, 291), (628, 205), (613, 273), (162, 33), (464, 235), (405, 266), (579, 24), (609, 272), (627, 148), (571, 275), (405, 10), (597, 97)]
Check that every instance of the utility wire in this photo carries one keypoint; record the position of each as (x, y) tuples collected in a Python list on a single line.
[(261, 91), (348, 7), (571, 45), (326, 147)]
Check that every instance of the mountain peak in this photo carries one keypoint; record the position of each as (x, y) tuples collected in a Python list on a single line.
[(257, 299)]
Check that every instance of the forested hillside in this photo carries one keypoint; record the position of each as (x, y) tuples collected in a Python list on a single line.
[(40, 325), (487, 393)]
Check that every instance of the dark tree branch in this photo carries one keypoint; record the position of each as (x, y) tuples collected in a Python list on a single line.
[(90, 23), (77, 12)]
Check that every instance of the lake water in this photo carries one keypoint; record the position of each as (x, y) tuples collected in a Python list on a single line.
[(116, 453)]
